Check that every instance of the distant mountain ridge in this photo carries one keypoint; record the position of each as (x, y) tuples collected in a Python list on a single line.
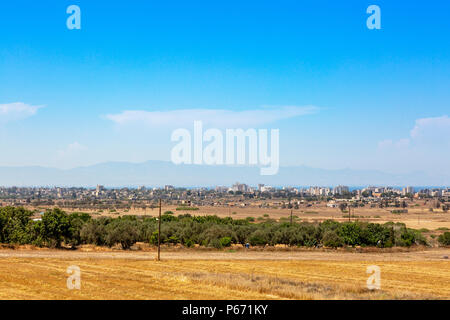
[(160, 173)]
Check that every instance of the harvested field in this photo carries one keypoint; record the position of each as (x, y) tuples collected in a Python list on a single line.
[(41, 274)]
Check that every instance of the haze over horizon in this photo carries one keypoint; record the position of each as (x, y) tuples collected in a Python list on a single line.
[(160, 173)]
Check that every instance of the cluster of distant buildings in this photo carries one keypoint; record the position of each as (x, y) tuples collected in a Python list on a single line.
[(78, 193), (311, 191), (340, 190), (171, 192), (406, 191)]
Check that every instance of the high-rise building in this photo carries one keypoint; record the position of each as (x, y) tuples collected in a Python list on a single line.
[(408, 190), (340, 190), (242, 187)]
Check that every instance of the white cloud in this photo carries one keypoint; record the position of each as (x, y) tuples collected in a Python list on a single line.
[(427, 147), (212, 117), (438, 127), (72, 150), (427, 132), (16, 111), (402, 143)]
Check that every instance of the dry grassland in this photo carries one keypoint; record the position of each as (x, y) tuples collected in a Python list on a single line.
[(32, 274)]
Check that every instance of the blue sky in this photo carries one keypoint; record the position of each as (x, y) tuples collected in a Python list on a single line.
[(381, 97)]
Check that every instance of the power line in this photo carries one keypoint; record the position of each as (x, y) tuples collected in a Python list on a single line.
[(159, 232)]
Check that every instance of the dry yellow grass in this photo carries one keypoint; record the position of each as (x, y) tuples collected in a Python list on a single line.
[(324, 277)]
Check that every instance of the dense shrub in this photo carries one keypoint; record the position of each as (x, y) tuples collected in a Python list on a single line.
[(241, 233), (225, 241), (187, 208), (123, 231), (373, 234), (56, 227), (94, 231), (350, 233), (444, 239), (77, 221), (331, 239), (259, 238), (188, 243), (15, 225)]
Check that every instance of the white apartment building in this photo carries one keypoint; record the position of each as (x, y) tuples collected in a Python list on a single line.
[(339, 190)]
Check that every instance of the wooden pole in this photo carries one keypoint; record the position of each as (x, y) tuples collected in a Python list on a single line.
[(159, 232), (291, 216)]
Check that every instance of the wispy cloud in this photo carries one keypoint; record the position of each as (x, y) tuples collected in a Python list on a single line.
[(16, 111), (388, 143), (73, 149), (212, 117)]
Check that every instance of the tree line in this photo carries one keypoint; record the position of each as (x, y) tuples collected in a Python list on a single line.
[(56, 228)]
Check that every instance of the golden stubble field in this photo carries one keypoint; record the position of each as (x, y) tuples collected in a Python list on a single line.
[(33, 274)]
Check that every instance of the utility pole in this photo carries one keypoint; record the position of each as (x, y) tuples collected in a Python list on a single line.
[(159, 232), (291, 216), (349, 211)]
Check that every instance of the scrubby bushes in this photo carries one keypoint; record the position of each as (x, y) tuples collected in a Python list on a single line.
[(332, 239), (77, 221), (54, 228), (15, 225), (444, 239), (94, 231), (57, 227), (350, 233), (123, 231)]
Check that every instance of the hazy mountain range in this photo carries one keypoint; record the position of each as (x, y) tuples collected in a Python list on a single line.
[(159, 173)]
